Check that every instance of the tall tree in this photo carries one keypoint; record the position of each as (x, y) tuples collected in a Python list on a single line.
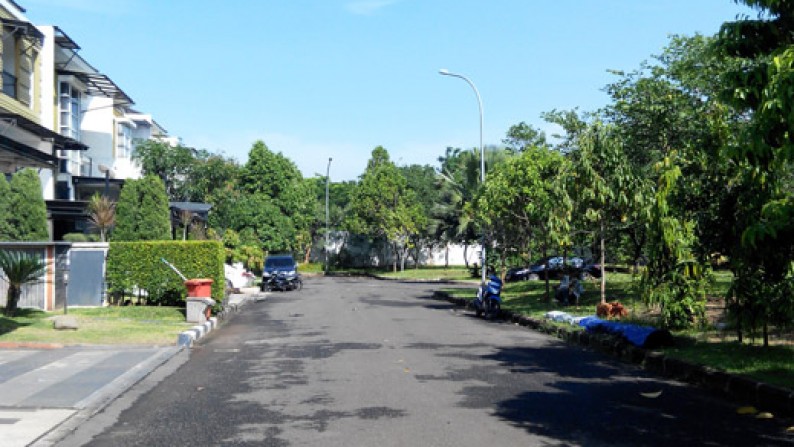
[(29, 212), (761, 88), (602, 184), (422, 180), (142, 212), (172, 164), (274, 181), (524, 194), (522, 135), (382, 207)]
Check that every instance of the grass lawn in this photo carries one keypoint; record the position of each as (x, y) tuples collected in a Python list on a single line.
[(431, 273), (103, 326), (774, 365)]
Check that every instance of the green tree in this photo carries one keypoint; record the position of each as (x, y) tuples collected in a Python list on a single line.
[(761, 87), (19, 268), (602, 184), (525, 194), (522, 135), (6, 228), (28, 216), (142, 212), (675, 279), (422, 180), (172, 164), (276, 183), (382, 207)]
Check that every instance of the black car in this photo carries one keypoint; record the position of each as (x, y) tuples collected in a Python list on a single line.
[(555, 265), (275, 264)]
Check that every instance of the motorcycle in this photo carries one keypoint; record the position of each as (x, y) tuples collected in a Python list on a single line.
[(283, 281), (489, 298)]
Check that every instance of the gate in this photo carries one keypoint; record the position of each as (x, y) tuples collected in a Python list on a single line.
[(86, 281)]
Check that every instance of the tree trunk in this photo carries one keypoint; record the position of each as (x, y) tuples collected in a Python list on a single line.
[(546, 270), (603, 265), (446, 255), (12, 300), (466, 255)]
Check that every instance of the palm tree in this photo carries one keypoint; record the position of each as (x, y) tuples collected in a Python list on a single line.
[(20, 268), (102, 214)]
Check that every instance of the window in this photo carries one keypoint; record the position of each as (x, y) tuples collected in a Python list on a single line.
[(123, 140), (69, 104), (10, 64)]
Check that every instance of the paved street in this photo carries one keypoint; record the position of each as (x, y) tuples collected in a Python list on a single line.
[(359, 362)]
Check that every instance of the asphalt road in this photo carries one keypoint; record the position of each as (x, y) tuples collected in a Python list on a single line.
[(360, 362)]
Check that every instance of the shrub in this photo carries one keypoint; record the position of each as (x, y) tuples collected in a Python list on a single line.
[(139, 264)]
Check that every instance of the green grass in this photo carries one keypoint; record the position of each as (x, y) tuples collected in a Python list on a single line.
[(431, 273), (106, 325), (774, 365)]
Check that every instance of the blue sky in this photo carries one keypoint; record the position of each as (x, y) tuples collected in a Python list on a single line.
[(335, 78)]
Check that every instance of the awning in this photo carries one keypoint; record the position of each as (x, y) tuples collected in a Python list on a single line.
[(100, 85), (59, 141), (12, 151), (66, 208), (26, 28), (64, 41)]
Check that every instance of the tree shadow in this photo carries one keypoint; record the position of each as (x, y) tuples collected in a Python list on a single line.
[(579, 397), (8, 324)]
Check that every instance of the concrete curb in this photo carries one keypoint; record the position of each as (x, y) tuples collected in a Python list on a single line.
[(735, 386), (190, 336)]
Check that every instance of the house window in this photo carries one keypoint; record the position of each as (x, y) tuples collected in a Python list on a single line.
[(69, 105), (19, 59), (124, 140)]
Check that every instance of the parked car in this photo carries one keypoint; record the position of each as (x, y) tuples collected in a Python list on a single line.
[(275, 264), (555, 267)]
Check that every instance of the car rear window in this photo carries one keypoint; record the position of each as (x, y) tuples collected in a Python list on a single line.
[(279, 262)]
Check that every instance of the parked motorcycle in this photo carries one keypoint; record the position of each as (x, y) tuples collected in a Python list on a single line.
[(283, 281), (489, 298)]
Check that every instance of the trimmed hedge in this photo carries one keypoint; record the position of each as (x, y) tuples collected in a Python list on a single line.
[(139, 264)]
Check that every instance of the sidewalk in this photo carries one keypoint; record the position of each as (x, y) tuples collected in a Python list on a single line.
[(56, 387)]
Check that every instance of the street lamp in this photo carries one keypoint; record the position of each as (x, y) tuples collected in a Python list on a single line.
[(327, 234), (445, 72)]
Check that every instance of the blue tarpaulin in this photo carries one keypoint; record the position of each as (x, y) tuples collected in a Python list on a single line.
[(642, 336)]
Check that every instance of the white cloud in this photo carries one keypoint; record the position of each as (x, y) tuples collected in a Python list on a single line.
[(368, 7)]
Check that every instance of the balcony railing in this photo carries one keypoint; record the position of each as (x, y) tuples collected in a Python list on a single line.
[(9, 84)]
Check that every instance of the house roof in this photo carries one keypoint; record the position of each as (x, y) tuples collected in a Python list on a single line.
[(98, 84), (27, 28)]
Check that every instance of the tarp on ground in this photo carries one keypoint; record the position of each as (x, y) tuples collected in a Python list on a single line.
[(638, 335)]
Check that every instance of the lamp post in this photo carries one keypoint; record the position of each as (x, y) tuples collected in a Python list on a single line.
[(445, 72), (327, 233)]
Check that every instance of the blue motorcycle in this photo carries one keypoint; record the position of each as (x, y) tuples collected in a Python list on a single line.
[(489, 298)]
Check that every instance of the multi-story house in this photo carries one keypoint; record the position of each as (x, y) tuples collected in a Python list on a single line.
[(25, 140), (86, 106)]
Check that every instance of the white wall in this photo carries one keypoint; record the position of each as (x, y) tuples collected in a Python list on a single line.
[(96, 131)]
